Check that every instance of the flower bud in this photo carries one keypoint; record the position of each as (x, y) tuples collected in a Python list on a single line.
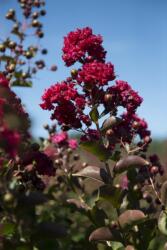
[(11, 68), (40, 34), (74, 73), (44, 51), (12, 45), (53, 68), (154, 170), (43, 12), (147, 197), (37, 3), (147, 139), (108, 98), (35, 23), (35, 15), (109, 132), (24, 75), (28, 55), (135, 125), (76, 157), (8, 197), (11, 14), (35, 146)]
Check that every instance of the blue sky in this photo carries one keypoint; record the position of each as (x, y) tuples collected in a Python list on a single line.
[(135, 36)]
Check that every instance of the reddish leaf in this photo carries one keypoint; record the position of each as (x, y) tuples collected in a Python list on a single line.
[(130, 218), (129, 162)]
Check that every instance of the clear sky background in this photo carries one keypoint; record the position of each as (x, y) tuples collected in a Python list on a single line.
[(135, 36)]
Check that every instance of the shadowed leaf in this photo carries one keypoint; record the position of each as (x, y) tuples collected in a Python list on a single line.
[(78, 204), (49, 230), (162, 222), (111, 194), (164, 193), (97, 149), (34, 198)]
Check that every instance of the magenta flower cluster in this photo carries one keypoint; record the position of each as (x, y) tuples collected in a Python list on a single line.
[(82, 44), (89, 87), (62, 140), (10, 135)]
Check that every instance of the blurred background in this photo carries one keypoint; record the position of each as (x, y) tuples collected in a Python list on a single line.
[(135, 37)]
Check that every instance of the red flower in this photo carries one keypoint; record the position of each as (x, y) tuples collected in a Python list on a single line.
[(81, 44), (43, 163), (96, 73), (67, 104), (60, 138), (124, 95), (73, 143), (3, 81), (11, 132)]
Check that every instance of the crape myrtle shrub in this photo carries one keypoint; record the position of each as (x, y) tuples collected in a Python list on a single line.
[(49, 197)]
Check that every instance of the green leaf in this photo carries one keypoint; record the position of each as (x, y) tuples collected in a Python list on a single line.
[(94, 114), (130, 218), (111, 194), (7, 229), (131, 161), (162, 222), (23, 247), (78, 204), (157, 243), (116, 245), (49, 230), (32, 199), (18, 74), (50, 244), (98, 215), (21, 83), (116, 156), (6, 58), (96, 148), (146, 232), (164, 193)]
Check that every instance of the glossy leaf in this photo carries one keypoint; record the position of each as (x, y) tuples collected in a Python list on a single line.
[(7, 229), (104, 234), (92, 172), (130, 218), (110, 122), (131, 161)]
